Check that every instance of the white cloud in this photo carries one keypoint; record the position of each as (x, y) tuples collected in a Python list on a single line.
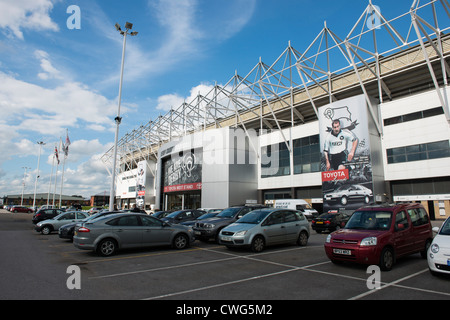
[(168, 101), (26, 14), (48, 111)]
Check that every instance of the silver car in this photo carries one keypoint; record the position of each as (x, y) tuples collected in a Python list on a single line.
[(47, 226), (264, 227), (106, 235)]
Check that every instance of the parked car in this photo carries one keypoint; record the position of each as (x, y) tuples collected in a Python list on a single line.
[(264, 227), (161, 214), (439, 251), (379, 235), (48, 226), (21, 209), (45, 214), (129, 230), (204, 216), (349, 192), (94, 210), (330, 221), (66, 231), (210, 228), (183, 216)]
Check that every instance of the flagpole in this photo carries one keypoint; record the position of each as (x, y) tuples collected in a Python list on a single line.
[(56, 173), (51, 177), (65, 148), (62, 181)]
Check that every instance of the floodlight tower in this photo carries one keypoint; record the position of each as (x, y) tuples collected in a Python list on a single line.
[(118, 119)]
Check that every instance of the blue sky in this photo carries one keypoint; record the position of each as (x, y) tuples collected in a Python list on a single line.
[(55, 79)]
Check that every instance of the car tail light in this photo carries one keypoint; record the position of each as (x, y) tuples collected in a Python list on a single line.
[(84, 229), (313, 221), (327, 222)]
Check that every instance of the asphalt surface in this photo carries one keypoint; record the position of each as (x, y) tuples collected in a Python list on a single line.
[(34, 266)]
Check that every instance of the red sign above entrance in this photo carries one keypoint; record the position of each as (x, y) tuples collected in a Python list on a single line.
[(184, 187)]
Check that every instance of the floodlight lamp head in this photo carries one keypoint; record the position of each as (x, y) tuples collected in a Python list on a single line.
[(118, 27), (134, 33), (128, 25)]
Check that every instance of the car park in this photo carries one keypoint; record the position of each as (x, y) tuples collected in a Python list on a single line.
[(15, 209), (380, 234), (210, 228), (128, 230), (330, 221), (183, 216), (439, 252), (67, 231), (264, 227), (48, 226), (45, 214)]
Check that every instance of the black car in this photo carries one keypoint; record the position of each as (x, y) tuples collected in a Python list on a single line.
[(67, 230), (330, 221), (210, 228), (45, 214), (183, 216)]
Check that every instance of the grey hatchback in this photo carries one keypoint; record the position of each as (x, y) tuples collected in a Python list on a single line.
[(263, 227), (106, 235)]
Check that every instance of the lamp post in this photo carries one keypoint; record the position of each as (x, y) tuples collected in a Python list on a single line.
[(40, 143), (118, 119), (23, 183)]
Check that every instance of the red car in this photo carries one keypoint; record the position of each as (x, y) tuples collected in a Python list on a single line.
[(378, 235), (21, 209)]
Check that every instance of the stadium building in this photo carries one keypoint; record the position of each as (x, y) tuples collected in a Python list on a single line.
[(352, 119)]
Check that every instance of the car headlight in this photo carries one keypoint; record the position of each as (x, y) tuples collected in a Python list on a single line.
[(240, 233), (209, 225), (434, 248), (371, 241), (328, 239)]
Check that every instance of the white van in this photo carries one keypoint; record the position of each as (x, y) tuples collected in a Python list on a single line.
[(297, 204)]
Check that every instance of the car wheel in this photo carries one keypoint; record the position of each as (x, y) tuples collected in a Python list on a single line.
[(180, 242), (46, 230), (423, 253), (387, 259), (107, 247), (344, 200), (302, 239), (258, 244)]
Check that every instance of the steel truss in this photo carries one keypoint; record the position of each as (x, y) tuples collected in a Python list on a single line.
[(289, 91)]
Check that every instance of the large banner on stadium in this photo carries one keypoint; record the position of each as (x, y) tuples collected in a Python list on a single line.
[(183, 172), (346, 160)]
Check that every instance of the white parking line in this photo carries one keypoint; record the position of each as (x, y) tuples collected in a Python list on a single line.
[(395, 284), (233, 282)]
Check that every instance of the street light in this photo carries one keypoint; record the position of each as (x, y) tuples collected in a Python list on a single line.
[(118, 119), (40, 143), (23, 183)]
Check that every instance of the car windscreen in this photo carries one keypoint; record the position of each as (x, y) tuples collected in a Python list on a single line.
[(370, 220), (254, 217), (445, 230), (173, 214), (228, 213)]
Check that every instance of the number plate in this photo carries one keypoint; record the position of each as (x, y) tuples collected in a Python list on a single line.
[(226, 238), (319, 222), (341, 251), (197, 233), (448, 262)]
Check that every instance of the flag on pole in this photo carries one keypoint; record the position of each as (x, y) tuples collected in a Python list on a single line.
[(66, 145), (56, 154)]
